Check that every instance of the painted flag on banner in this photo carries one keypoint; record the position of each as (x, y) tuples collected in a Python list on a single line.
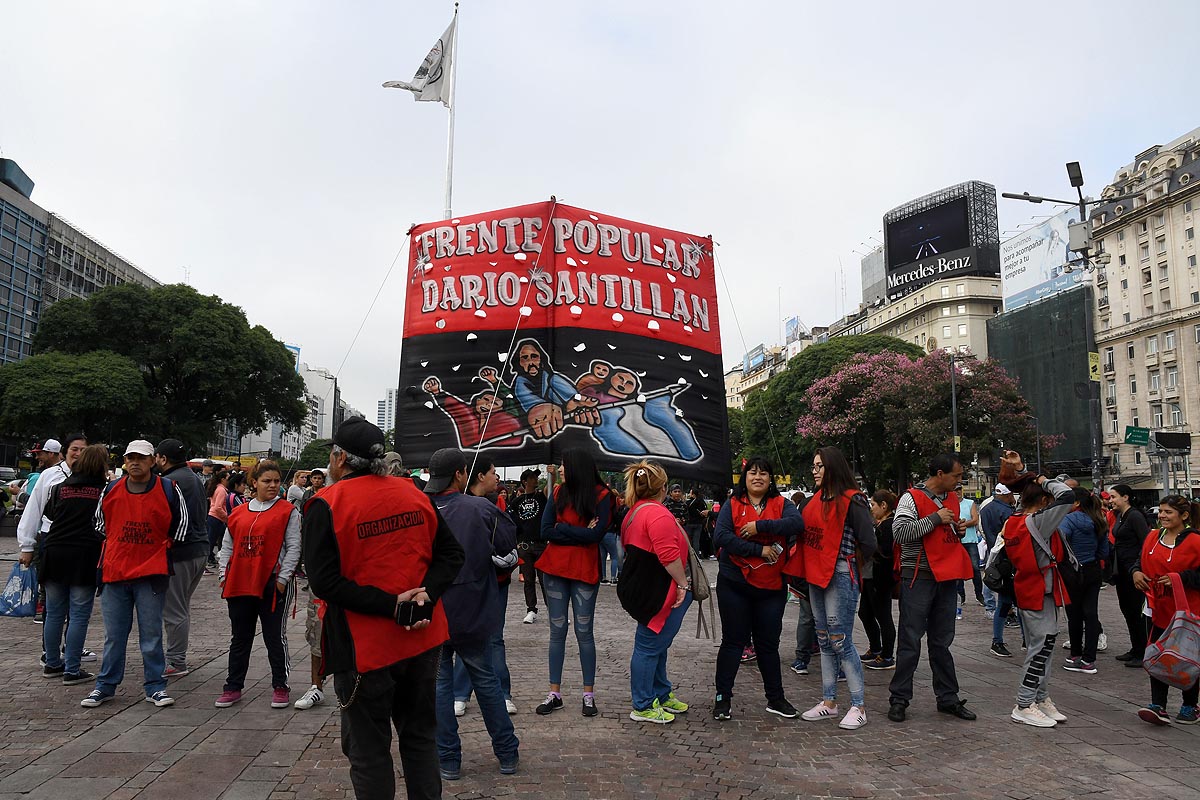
[(433, 79), (544, 327)]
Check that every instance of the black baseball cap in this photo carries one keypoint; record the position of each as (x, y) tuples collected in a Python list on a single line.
[(443, 466), (360, 438), (530, 473), (172, 450)]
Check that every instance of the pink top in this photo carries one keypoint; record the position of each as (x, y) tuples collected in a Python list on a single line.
[(655, 530), (216, 506)]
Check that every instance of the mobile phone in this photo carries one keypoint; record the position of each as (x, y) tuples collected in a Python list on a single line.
[(409, 612)]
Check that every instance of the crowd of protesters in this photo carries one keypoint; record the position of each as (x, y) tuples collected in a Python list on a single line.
[(407, 583)]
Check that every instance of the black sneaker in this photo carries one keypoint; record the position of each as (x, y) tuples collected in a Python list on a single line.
[(53, 672), (589, 705), (999, 650), (783, 708), (722, 708), (1127, 656), (72, 678), (897, 712), (553, 703)]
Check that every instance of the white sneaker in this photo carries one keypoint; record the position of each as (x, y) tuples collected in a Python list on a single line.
[(460, 708), (820, 711), (855, 718), (1102, 643), (313, 697), (1032, 716), (88, 655), (530, 618), (511, 706), (1067, 643), (1050, 710)]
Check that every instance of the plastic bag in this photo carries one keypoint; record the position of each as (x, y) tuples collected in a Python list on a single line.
[(19, 598)]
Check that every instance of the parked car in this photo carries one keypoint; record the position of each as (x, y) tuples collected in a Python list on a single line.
[(9, 474)]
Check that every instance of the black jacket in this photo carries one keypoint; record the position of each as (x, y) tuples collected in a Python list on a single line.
[(1129, 532), (195, 498)]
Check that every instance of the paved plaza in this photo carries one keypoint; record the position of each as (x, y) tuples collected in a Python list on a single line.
[(50, 747)]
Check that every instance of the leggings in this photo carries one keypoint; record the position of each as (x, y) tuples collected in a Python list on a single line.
[(581, 597), (875, 611)]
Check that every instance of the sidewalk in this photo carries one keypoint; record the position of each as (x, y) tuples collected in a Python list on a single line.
[(50, 747)]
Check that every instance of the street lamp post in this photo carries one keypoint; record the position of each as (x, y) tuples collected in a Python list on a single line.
[(1037, 427), (953, 402)]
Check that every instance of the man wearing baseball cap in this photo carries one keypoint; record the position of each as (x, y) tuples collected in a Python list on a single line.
[(379, 554), (140, 516), (34, 523), (187, 557)]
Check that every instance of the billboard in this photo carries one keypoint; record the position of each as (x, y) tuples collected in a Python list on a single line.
[(1031, 263), (543, 327), (929, 233), (793, 329), (753, 359)]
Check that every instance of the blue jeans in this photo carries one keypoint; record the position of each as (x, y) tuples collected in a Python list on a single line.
[(462, 679), (610, 548), (1004, 604), (833, 614), (477, 659), (561, 592), (989, 599), (648, 666), (118, 601), (61, 599)]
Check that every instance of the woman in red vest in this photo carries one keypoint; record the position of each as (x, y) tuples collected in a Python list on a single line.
[(1035, 547), (259, 554), (574, 522), (1173, 548), (756, 526), (839, 534)]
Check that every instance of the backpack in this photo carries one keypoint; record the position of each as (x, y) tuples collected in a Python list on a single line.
[(999, 571), (1174, 658)]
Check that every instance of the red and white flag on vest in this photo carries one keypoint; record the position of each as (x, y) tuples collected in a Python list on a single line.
[(434, 77)]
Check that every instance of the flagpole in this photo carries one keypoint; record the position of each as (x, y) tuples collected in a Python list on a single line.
[(450, 125)]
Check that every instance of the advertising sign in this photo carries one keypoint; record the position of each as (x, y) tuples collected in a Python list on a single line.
[(791, 330), (535, 329), (754, 359), (1031, 264), (910, 276), (928, 233)]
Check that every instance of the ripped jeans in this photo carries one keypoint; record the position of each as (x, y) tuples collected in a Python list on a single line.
[(561, 592), (833, 615)]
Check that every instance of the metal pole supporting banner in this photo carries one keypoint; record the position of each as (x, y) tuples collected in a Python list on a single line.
[(450, 125)]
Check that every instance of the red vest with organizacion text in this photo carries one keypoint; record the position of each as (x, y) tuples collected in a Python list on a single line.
[(1159, 560), (576, 562), (137, 531), (257, 542), (947, 557), (385, 529), (824, 525), (1029, 583), (756, 570)]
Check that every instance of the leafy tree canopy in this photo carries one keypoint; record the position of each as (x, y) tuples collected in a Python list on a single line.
[(199, 359), (316, 454)]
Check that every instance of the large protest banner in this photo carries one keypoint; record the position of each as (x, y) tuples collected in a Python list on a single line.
[(538, 328)]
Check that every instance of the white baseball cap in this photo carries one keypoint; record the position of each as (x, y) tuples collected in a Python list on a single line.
[(1001, 489), (49, 446), (140, 447)]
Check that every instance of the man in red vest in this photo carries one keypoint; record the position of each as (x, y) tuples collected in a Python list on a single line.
[(380, 556), (140, 516), (932, 562)]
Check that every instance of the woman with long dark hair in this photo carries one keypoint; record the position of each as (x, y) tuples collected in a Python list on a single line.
[(878, 582), (72, 550), (1129, 532), (839, 534), (755, 528), (217, 513), (1173, 548), (1085, 530), (573, 523)]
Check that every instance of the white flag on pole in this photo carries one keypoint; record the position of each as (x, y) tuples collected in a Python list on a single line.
[(434, 77)]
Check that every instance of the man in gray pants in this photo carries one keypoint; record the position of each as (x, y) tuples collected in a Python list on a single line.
[(187, 557)]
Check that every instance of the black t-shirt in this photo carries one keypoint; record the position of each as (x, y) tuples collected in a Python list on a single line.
[(526, 512), (695, 506)]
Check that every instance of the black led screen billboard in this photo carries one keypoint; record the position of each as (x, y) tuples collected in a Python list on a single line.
[(941, 229)]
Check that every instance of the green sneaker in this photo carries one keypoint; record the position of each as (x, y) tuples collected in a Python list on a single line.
[(673, 704), (654, 713)]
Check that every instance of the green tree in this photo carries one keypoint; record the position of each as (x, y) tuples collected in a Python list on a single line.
[(316, 454), (737, 438), (769, 426), (99, 394), (200, 361)]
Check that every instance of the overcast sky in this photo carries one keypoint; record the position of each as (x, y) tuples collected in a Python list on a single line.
[(251, 142)]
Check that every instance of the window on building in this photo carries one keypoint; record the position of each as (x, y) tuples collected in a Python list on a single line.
[(962, 308), (945, 331), (1169, 340), (1187, 207), (1156, 416), (1142, 226), (1147, 277), (945, 311), (1112, 422), (1137, 454), (1132, 385), (1172, 377), (995, 309), (1120, 236), (1144, 252), (1160, 220), (1189, 233), (1196, 331), (945, 291), (1110, 361), (1196, 297), (1151, 345), (1160, 244), (1163, 272), (960, 289), (1137, 421), (1126, 315), (1129, 350), (962, 329), (1155, 381), (1176, 413), (1121, 259), (1192, 261)]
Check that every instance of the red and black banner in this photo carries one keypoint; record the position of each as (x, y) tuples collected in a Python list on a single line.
[(543, 327)]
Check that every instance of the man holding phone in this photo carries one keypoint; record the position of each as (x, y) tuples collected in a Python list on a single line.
[(380, 556), (474, 611)]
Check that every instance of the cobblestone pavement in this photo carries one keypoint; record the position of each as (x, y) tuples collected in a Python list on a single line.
[(50, 747)]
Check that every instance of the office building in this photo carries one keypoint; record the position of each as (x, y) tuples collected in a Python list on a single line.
[(385, 416)]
